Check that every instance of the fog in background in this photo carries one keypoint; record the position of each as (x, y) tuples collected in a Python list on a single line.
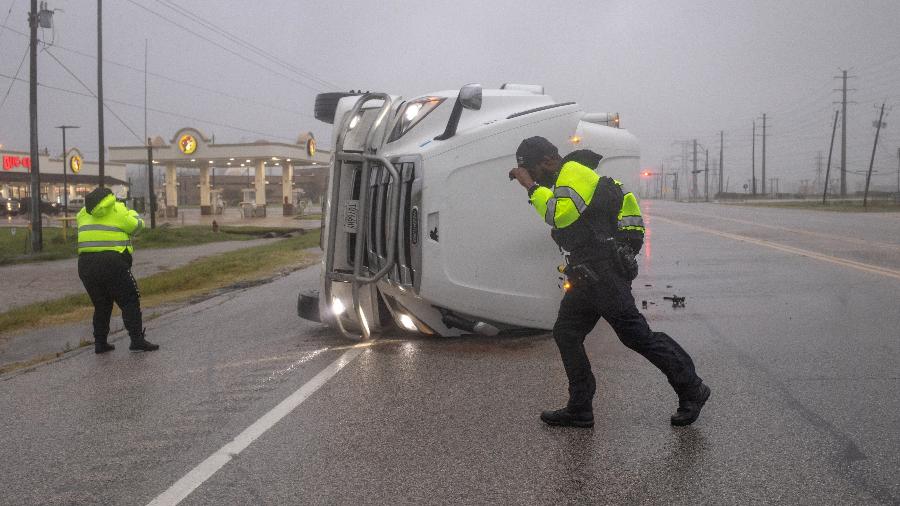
[(674, 70)]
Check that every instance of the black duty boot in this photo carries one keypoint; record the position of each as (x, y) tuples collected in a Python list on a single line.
[(101, 346), (689, 407), (140, 344), (566, 418)]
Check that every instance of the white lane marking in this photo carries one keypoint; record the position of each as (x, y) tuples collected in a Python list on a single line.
[(873, 269), (851, 240), (196, 476)]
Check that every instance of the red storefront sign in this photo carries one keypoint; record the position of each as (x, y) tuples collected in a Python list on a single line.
[(10, 162)]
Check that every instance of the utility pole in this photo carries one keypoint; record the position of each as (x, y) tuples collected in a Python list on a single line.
[(706, 176), (34, 19), (818, 179), (843, 77), (753, 160), (102, 158), (715, 174), (844, 135), (764, 155), (662, 172), (721, 158), (694, 191), (65, 171), (675, 187), (674, 175), (872, 160), (830, 150), (660, 181)]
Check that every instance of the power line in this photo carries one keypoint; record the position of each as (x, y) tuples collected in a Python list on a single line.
[(138, 137), (18, 69), (190, 85), (161, 111), (172, 79), (181, 10), (220, 46), (11, 5)]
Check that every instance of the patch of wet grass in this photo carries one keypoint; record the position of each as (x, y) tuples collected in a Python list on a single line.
[(15, 243), (201, 276)]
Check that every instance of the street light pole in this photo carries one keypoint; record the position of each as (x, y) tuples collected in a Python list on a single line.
[(150, 183), (102, 156), (65, 171)]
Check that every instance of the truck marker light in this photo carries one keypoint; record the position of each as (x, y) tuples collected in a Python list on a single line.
[(337, 307), (575, 139), (408, 323), (567, 285)]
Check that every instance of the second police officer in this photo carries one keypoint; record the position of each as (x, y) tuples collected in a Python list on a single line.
[(105, 227)]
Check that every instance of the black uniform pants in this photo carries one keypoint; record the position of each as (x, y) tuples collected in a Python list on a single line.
[(107, 278), (611, 299)]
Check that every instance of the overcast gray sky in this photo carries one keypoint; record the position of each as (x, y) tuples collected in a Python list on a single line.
[(674, 70)]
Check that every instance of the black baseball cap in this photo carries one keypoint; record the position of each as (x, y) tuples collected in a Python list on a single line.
[(533, 150), (92, 199)]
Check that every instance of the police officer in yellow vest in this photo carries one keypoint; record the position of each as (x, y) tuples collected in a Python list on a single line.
[(601, 230), (105, 227)]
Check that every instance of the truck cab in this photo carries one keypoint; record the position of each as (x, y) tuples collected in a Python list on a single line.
[(422, 228)]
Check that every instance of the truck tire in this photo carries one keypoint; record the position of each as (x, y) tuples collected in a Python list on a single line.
[(326, 105)]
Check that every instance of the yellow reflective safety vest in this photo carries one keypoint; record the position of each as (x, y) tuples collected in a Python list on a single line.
[(630, 223), (108, 227), (573, 196)]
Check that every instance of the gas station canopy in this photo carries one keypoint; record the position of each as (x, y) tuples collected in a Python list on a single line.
[(189, 148)]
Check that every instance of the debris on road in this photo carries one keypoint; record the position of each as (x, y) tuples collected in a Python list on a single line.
[(676, 301)]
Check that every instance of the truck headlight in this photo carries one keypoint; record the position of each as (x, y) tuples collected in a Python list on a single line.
[(408, 322), (413, 112), (337, 307)]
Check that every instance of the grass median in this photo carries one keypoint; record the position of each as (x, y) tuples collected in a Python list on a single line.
[(199, 277), (15, 243)]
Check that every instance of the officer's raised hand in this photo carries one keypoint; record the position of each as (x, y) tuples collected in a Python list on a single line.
[(521, 175)]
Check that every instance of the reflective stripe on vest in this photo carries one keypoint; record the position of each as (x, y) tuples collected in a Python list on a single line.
[(102, 228), (631, 221), (550, 215), (563, 192), (103, 244), (569, 193)]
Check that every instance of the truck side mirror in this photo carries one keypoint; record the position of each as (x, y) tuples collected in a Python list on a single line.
[(469, 98)]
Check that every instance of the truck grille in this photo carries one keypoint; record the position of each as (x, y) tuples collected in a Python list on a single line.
[(408, 254)]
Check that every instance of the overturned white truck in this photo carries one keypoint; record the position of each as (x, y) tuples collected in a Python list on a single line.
[(422, 227)]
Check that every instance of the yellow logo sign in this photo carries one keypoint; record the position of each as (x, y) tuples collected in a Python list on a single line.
[(75, 163), (187, 144), (311, 147)]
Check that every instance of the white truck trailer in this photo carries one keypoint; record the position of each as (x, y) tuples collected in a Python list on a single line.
[(422, 227)]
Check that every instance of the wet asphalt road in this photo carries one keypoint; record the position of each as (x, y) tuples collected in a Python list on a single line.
[(802, 351)]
